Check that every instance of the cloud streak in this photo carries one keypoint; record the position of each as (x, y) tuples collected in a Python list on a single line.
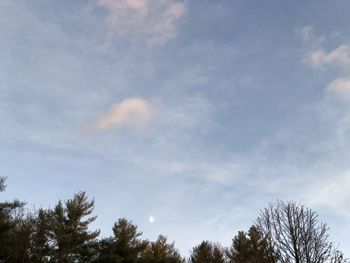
[(152, 21), (136, 113)]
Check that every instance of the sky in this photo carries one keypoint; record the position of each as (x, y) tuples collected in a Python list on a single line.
[(197, 113)]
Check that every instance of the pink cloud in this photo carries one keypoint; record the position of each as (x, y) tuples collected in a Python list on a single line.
[(134, 112), (339, 56), (341, 88)]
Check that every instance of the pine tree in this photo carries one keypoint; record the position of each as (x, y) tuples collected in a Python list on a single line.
[(69, 230), (128, 246), (207, 252), (251, 247), (11, 225), (218, 254), (20, 238), (40, 240), (161, 252), (125, 246)]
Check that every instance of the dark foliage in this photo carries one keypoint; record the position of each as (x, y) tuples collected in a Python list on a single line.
[(251, 247), (207, 252), (283, 233)]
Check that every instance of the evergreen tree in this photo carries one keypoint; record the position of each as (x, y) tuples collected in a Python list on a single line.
[(69, 230), (41, 248), (161, 252), (218, 254), (207, 252), (20, 239), (251, 247), (125, 246), (12, 228), (106, 251), (284, 233)]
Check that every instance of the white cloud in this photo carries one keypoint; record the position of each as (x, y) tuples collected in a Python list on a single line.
[(307, 36), (152, 21), (339, 56), (304, 33), (340, 87), (134, 112)]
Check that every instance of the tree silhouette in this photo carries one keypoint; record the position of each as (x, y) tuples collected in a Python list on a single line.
[(207, 252), (40, 240), (283, 233), (161, 252), (69, 229), (296, 235), (125, 246), (251, 247), (13, 240)]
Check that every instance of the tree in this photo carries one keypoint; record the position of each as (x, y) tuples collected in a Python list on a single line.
[(69, 231), (294, 232), (338, 257), (161, 252), (202, 253), (125, 246), (41, 247), (13, 240), (239, 252), (20, 239), (283, 233), (218, 254), (106, 251), (207, 252), (127, 243), (250, 247), (6, 212), (2, 183)]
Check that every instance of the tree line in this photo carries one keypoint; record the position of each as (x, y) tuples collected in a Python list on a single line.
[(284, 232)]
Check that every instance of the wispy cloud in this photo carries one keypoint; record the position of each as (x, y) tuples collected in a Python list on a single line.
[(152, 21), (304, 33), (316, 55), (307, 35), (224, 172), (340, 87), (333, 193), (339, 56), (133, 112), (331, 188), (319, 57)]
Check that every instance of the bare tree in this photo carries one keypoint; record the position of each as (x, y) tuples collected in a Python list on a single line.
[(296, 235)]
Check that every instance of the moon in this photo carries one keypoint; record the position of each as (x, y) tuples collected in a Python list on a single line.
[(151, 219)]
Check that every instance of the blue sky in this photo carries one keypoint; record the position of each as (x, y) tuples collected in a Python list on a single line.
[(198, 113)]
